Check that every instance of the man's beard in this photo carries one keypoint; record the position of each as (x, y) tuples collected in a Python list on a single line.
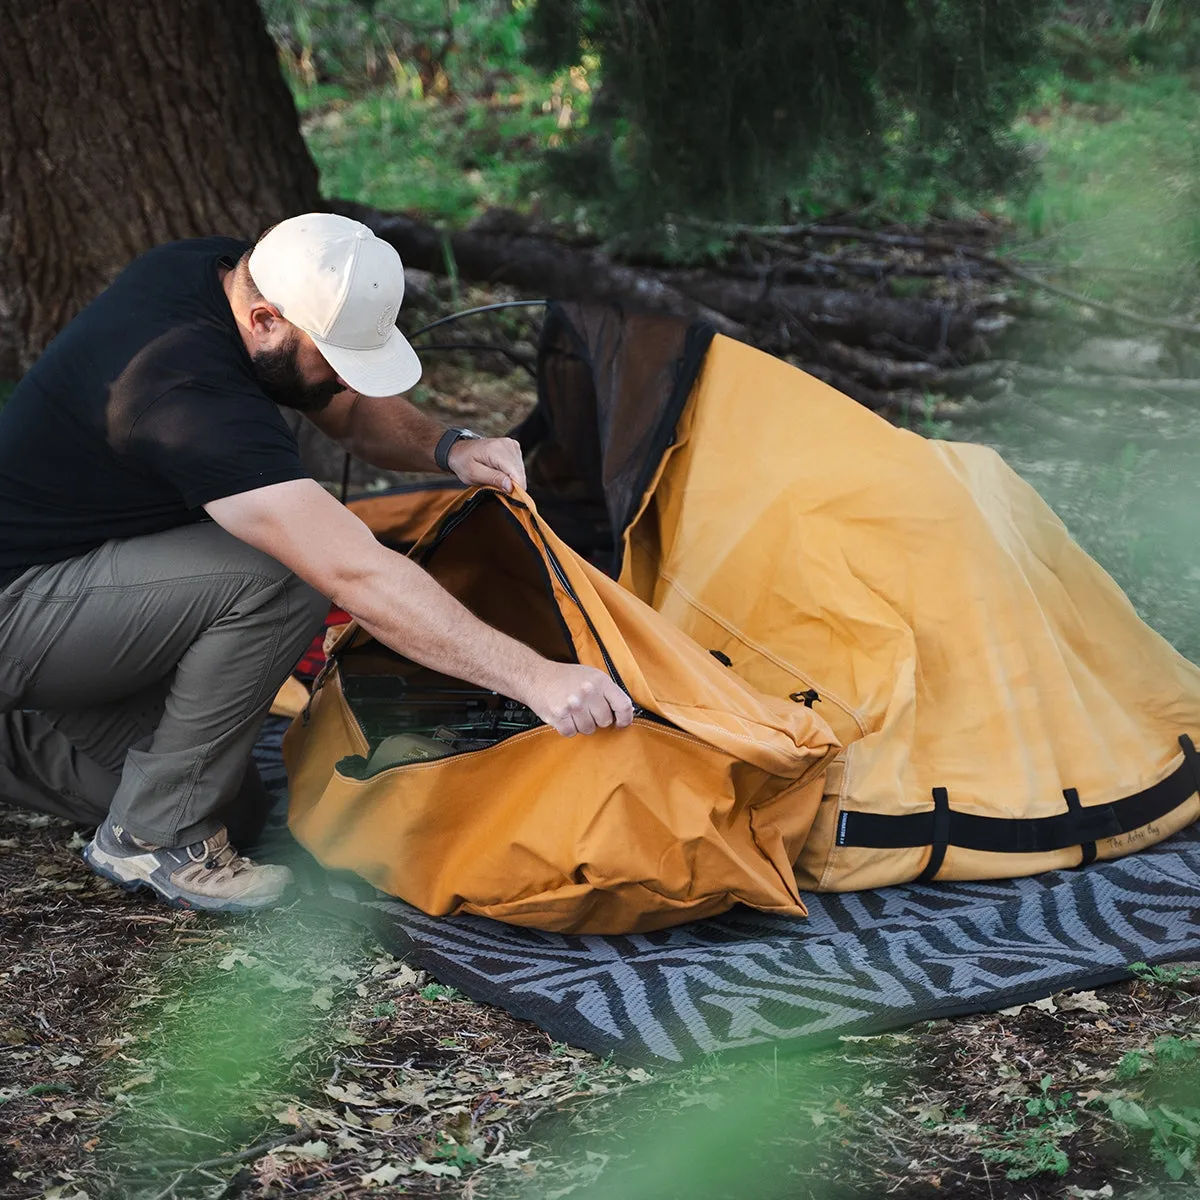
[(278, 374)]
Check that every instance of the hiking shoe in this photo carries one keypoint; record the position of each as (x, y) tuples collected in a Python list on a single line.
[(210, 874)]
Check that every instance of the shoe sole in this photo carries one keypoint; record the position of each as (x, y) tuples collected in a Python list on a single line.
[(202, 904)]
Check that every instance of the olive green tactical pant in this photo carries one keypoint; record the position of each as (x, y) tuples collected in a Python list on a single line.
[(135, 678)]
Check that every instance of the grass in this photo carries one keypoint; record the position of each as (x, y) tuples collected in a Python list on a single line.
[(444, 162), (1119, 193)]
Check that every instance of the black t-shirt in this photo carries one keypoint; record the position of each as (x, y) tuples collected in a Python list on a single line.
[(143, 409)]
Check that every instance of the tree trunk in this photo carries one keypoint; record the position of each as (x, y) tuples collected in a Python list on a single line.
[(130, 123)]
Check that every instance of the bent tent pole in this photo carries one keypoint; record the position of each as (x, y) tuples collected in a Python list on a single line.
[(446, 320)]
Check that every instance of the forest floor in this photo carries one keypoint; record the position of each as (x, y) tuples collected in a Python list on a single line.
[(151, 1053)]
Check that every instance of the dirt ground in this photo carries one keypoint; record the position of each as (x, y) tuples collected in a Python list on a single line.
[(149, 1053)]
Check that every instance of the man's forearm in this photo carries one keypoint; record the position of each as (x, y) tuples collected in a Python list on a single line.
[(391, 433), (402, 606)]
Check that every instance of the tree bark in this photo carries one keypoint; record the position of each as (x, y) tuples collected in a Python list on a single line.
[(130, 123)]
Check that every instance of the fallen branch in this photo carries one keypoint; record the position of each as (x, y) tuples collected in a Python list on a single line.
[(926, 243), (1014, 269), (1041, 377), (535, 263), (240, 1156), (763, 310), (888, 373), (805, 315), (1114, 310)]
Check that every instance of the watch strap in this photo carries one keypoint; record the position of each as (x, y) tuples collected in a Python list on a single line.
[(441, 453)]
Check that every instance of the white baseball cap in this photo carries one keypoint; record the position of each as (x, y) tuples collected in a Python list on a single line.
[(333, 278)]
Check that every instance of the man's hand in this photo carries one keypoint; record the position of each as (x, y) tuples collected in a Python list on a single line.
[(575, 699), (494, 462)]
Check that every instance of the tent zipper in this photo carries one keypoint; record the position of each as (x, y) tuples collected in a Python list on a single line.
[(452, 522), (565, 583)]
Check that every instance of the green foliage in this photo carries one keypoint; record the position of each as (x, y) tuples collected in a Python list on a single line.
[(1034, 1154), (209, 1057), (445, 108), (1167, 976), (400, 152), (433, 46), (1119, 194), (1033, 1146), (424, 106), (723, 109), (1093, 38), (1165, 1116), (440, 991)]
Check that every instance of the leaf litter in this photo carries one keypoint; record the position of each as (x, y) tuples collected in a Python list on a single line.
[(120, 1071)]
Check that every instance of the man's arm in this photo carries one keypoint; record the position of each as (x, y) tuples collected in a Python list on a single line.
[(392, 433), (302, 526)]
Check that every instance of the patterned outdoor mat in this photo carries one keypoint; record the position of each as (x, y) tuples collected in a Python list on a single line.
[(861, 963)]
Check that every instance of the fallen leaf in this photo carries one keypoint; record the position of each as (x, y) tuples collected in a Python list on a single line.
[(285, 983), (135, 1082), (235, 958), (309, 1151), (405, 977), (384, 1175), (412, 1094), (322, 998), (1082, 1002), (510, 1160), (351, 1094), (1046, 1004), (447, 1170)]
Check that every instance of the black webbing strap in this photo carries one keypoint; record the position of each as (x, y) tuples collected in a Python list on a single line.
[(941, 835), (1027, 835), (1191, 757), (1074, 805)]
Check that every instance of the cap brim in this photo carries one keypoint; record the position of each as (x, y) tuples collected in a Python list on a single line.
[(387, 370)]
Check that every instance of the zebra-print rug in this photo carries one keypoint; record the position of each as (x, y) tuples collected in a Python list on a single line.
[(861, 963)]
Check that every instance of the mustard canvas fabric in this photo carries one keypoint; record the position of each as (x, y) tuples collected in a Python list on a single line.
[(704, 802), (972, 658)]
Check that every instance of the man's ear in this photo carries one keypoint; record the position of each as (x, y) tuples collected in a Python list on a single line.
[(265, 322)]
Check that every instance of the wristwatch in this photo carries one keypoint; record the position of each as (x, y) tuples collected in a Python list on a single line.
[(441, 454)]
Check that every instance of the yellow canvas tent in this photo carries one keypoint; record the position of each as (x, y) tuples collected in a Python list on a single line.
[(1002, 708)]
